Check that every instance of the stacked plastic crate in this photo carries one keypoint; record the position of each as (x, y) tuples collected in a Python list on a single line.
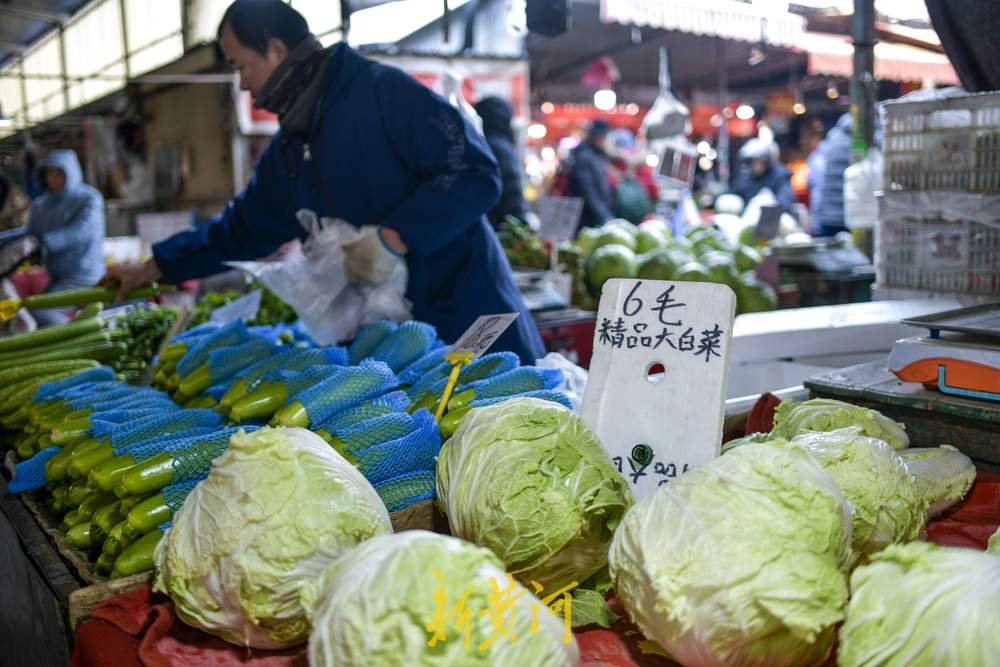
[(939, 215)]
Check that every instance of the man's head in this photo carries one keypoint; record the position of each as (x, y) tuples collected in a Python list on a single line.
[(597, 132), (759, 154), (256, 37), (54, 179)]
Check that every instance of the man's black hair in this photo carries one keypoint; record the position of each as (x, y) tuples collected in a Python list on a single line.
[(254, 22)]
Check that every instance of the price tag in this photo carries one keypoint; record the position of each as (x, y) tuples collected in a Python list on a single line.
[(767, 226), (558, 217), (244, 308), (483, 333), (657, 387)]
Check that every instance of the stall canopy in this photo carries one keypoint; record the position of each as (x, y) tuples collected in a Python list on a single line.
[(727, 19), (831, 55)]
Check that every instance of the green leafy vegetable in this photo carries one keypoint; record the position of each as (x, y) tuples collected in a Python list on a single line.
[(740, 562), (528, 479), (944, 475), (591, 608), (826, 414), (384, 601), (888, 506), (921, 604), (252, 539)]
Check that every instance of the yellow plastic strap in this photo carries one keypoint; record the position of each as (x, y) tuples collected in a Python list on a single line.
[(457, 360), (9, 308)]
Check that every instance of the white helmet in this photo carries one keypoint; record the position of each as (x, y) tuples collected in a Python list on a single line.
[(759, 149)]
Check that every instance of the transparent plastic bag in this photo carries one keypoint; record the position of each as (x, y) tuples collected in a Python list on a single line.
[(862, 181), (315, 283)]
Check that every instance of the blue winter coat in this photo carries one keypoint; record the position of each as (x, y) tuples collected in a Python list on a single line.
[(836, 153), (70, 225), (588, 179), (384, 150), (777, 179)]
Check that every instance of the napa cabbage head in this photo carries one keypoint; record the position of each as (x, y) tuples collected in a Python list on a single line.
[(384, 601), (793, 418), (994, 544), (923, 604), (253, 538), (527, 479), (740, 562), (944, 475), (888, 505)]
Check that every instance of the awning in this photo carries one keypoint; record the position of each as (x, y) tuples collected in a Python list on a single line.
[(832, 55), (727, 19)]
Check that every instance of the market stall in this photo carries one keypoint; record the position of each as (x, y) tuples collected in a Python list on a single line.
[(101, 471)]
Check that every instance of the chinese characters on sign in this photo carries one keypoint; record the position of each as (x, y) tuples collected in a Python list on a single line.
[(657, 388), (633, 329), (501, 612)]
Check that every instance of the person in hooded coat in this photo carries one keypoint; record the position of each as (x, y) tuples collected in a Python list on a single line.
[(366, 143), (497, 115), (589, 178), (68, 220), (760, 169)]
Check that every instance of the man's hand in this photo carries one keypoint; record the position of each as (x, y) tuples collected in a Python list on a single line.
[(130, 276), (373, 259)]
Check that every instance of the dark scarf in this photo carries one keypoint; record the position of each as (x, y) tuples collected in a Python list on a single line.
[(292, 91)]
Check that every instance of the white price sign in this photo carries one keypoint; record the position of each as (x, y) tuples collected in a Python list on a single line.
[(657, 387), (483, 333), (244, 308)]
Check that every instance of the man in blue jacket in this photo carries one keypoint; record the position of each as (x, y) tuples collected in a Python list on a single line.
[(368, 144), (68, 220)]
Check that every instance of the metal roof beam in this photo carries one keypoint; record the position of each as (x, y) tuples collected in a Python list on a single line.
[(12, 46), (33, 14)]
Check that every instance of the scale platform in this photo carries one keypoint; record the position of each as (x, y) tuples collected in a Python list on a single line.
[(960, 356)]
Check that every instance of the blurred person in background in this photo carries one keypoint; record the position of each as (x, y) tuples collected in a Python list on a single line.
[(497, 115), (760, 169), (14, 205), (833, 157), (588, 176), (68, 221)]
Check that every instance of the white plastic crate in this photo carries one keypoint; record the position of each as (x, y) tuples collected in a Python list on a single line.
[(938, 256), (945, 140)]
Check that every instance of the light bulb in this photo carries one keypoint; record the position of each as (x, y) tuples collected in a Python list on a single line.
[(537, 131), (605, 99)]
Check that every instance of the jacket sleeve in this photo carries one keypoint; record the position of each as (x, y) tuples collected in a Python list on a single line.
[(784, 192), (591, 189), (254, 224), (86, 222), (459, 178)]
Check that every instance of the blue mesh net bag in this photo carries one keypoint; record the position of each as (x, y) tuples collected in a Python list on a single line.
[(193, 459), (30, 475), (298, 381), (414, 451), (542, 394), (51, 390), (356, 437), (123, 415), (122, 400), (517, 381), (294, 359), (123, 435), (93, 392), (229, 335), (427, 381), (109, 400), (490, 366), (406, 344), (200, 331), (368, 338), (345, 387), (418, 368), (407, 489), (226, 362), (175, 494), (392, 403)]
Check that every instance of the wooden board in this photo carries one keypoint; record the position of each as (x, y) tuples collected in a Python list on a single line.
[(931, 418)]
